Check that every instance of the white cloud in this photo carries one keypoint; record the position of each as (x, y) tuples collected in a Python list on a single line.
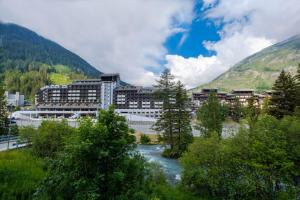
[(113, 35), (250, 26)]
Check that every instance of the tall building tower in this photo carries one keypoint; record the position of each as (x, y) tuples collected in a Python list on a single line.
[(108, 83)]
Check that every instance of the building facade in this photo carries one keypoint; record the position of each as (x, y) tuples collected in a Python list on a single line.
[(14, 100), (87, 97), (84, 96), (137, 100), (243, 95)]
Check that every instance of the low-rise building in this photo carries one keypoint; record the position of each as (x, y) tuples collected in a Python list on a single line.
[(200, 97), (243, 95), (14, 100)]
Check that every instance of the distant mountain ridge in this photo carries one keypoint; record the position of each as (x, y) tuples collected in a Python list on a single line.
[(20, 46), (260, 70)]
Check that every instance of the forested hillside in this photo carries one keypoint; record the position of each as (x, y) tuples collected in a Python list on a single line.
[(29, 61)]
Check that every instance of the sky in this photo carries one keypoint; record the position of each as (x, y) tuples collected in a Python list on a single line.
[(196, 39)]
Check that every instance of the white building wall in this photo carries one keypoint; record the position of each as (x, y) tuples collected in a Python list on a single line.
[(107, 89), (14, 99)]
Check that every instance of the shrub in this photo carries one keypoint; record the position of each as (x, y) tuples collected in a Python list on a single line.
[(51, 138), (145, 139), (257, 163)]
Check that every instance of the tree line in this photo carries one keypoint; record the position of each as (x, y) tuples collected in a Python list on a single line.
[(36, 75), (260, 161)]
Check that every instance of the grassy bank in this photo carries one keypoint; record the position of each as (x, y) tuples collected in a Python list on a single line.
[(20, 174)]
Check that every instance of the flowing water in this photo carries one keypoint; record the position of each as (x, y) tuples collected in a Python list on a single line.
[(171, 167)]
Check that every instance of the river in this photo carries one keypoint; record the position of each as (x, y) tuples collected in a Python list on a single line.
[(171, 167)]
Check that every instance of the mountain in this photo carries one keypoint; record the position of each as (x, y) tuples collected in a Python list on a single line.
[(260, 70), (21, 47)]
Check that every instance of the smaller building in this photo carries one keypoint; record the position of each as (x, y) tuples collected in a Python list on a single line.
[(137, 100), (243, 95), (200, 97), (14, 100)]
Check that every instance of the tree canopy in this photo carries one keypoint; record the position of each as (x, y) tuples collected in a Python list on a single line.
[(284, 98), (3, 112), (210, 116), (98, 162), (174, 122)]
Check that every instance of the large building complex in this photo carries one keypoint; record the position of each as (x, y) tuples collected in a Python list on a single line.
[(84, 96), (88, 96)]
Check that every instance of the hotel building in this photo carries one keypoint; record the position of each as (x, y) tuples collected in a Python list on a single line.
[(84, 96)]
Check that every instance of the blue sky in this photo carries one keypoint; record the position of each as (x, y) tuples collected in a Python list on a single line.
[(190, 43)]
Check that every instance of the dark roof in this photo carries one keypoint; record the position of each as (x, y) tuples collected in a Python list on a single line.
[(108, 75)]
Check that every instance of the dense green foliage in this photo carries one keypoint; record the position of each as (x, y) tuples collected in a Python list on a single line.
[(20, 173), (48, 139), (98, 162), (236, 110), (20, 47), (257, 163), (183, 129), (174, 123), (165, 93), (3, 112), (29, 82), (210, 116), (284, 98), (145, 139), (297, 80), (260, 70), (252, 111), (29, 62)]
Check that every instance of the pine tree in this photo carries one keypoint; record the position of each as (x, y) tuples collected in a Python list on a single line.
[(284, 98), (252, 112), (3, 112), (210, 116), (165, 93), (265, 105), (182, 128), (236, 110), (297, 79)]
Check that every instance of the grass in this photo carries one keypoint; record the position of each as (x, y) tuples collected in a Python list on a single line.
[(20, 174), (62, 69), (60, 79)]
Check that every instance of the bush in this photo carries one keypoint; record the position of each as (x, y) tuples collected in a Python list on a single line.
[(98, 163), (27, 134), (20, 173), (14, 130), (257, 163), (50, 138), (145, 139)]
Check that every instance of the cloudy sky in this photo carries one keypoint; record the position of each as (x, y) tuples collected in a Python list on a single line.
[(197, 40)]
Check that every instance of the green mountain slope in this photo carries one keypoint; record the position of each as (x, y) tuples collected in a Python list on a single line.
[(29, 61), (260, 70), (20, 47)]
